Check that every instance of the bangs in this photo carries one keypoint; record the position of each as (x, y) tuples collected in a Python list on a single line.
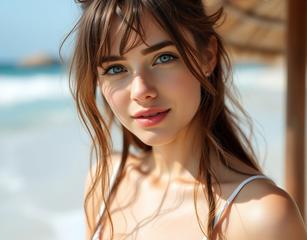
[(103, 15), (128, 15)]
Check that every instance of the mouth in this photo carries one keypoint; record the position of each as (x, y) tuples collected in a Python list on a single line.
[(152, 115), (152, 119), (149, 112)]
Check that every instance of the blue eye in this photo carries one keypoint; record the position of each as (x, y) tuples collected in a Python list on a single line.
[(165, 58), (116, 69)]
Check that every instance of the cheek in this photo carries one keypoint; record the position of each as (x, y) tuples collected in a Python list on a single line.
[(183, 86), (117, 100), (189, 96)]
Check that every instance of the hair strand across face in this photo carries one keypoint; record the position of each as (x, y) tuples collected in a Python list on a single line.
[(221, 132)]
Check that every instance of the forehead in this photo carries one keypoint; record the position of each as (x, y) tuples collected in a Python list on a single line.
[(153, 33)]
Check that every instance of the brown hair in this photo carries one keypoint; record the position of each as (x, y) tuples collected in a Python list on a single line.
[(221, 131)]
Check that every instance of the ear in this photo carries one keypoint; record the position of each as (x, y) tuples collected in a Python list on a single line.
[(211, 52)]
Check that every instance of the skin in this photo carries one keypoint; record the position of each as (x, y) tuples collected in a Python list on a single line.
[(146, 81), (159, 187)]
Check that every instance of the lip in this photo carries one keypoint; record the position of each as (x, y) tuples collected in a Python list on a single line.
[(153, 120), (141, 113)]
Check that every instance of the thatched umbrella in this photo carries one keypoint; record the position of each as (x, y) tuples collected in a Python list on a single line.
[(269, 30), (254, 28)]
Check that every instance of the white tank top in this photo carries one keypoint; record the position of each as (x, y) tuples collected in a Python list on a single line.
[(217, 217)]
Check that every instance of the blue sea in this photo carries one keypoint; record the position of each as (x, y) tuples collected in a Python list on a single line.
[(44, 149)]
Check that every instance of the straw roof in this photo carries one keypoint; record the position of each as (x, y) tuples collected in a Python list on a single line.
[(254, 28), (261, 28)]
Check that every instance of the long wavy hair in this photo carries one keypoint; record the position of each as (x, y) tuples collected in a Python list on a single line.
[(219, 109)]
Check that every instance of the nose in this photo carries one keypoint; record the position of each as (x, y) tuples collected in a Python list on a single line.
[(141, 91)]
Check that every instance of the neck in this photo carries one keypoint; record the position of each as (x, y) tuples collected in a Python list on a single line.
[(178, 160)]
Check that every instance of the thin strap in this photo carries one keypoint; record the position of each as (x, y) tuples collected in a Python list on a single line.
[(112, 182), (234, 194), (102, 207), (113, 176)]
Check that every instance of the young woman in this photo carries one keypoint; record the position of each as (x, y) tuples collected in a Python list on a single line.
[(186, 170)]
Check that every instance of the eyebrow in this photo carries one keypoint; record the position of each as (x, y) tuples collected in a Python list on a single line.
[(157, 47), (145, 51)]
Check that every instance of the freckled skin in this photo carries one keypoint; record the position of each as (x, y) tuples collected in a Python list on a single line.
[(149, 84), (144, 81), (160, 202)]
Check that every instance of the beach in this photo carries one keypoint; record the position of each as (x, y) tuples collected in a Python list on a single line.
[(44, 149)]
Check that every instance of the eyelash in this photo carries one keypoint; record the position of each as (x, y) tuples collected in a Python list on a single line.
[(166, 54), (173, 58)]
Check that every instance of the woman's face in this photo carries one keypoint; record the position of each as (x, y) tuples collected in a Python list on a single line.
[(150, 76)]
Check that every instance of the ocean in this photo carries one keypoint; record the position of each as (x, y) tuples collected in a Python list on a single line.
[(44, 149)]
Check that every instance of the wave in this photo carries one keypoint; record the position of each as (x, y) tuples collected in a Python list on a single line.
[(22, 89)]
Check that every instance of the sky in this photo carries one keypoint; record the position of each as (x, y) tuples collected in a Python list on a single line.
[(35, 26)]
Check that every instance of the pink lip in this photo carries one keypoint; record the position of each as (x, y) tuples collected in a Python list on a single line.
[(153, 120), (149, 111)]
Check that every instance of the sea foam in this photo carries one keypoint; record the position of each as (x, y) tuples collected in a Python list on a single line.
[(21, 89)]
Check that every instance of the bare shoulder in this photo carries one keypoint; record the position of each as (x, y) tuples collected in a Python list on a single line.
[(93, 195), (268, 212), (114, 159)]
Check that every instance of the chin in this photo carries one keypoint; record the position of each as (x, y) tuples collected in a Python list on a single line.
[(156, 138)]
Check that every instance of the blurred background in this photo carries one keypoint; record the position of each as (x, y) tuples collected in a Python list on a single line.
[(44, 149)]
